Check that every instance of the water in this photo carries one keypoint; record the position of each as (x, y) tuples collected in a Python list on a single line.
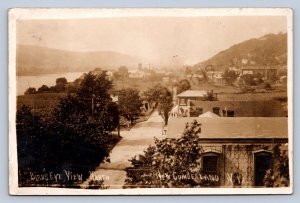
[(23, 82)]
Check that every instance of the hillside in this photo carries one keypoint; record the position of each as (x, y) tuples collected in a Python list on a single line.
[(270, 49), (33, 60)]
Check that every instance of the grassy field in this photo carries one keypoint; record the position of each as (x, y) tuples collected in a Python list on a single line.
[(232, 93), (41, 103), (141, 85)]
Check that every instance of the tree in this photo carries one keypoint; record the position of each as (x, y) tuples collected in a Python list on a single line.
[(89, 113), (165, 103), (30, 90), (31, 143), (130, 103), (183, 85), (164, 99), (230, 76), (60, 84), (248, 79), (61, 81), (161, 165), (43, 88), (123, 72)]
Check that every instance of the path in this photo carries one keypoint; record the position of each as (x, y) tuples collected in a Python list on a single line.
[(133, 142)]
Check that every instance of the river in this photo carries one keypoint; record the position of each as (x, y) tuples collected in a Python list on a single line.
[(23, 82)]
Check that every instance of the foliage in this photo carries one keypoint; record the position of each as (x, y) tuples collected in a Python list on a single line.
[(43, 88), (30, 90), (60, 84), (130, 103), (183, 85), (123, 72), (280, 176), (210, 96), (165, 103), (61, 81), (90, 114), (163, 97), (29, 131), (169, 163), (96, 184), (230, 76), (76, 138), (249, 79)]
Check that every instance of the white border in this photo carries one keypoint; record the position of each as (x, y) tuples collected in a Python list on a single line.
[(43, 13)]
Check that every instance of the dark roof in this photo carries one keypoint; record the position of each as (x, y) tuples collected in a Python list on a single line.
[(232, 127)]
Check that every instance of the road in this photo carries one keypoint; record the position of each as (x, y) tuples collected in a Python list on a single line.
[(134, 142)]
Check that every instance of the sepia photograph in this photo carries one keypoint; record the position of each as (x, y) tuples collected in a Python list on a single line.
[(150, 101)]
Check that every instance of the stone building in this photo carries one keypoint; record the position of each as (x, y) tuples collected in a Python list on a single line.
[(237, 152)]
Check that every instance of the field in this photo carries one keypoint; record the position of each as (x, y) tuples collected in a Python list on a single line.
[(141, 85), (41, 103)]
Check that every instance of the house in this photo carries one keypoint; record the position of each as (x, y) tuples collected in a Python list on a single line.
[(237, 151), (193, 103), (184, 98), (215, 77), (267, 72), (267, 108)]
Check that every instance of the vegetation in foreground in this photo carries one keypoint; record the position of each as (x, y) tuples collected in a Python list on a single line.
[(61, 150)]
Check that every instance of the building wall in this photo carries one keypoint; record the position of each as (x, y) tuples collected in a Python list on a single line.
[(237, 158)]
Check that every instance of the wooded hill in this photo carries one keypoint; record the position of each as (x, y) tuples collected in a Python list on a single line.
[(270, 49)]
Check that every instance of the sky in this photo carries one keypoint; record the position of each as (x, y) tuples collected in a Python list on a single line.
[(156, 39)]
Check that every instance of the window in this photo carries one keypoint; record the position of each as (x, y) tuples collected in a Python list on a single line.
[(182, 102), (216, 110), (230, 113)]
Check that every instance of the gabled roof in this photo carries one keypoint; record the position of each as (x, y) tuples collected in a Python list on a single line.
[(232, 127), (193, 93)]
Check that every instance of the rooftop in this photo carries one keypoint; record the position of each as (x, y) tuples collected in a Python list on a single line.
[(193, 93), (232, 127)]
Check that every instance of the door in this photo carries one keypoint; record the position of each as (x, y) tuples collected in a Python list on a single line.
[(263, 162), (210, 169)]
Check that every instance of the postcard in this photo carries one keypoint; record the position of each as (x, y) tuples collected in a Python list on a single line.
[(150, 101)]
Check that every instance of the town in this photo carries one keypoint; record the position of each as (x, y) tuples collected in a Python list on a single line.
[(146, 110)]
